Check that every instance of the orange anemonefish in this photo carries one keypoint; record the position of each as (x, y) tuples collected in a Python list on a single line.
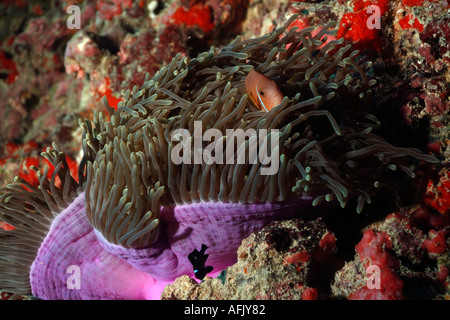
[(262, 91)]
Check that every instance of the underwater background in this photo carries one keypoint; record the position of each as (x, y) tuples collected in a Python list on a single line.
[(56, 68)]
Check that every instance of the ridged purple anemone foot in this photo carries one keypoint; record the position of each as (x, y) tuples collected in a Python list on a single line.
[(71, 264), (220, 226), (147, 197), (108, 271)]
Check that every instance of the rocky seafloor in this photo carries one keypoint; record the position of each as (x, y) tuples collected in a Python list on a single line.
[(51, 75)]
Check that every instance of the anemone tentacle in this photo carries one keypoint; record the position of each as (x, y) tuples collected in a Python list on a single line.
[(31, 210)]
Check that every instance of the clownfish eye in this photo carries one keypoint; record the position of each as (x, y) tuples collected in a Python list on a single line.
[(261, 93)]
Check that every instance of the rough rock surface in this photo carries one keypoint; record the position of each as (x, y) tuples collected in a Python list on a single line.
[(410, 249), (297, 259), (285, 260)]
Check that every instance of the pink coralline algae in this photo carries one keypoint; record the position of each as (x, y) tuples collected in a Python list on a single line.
[(397, 247), (82, 55), (198, 15), (353, 26), (108, 9), (405, 23), (210, 17), (32, 65), (8, 67), (409, 21), (148, 50), (436, 244), (437, 36), (373, 250), (112, 64), (438, 193)]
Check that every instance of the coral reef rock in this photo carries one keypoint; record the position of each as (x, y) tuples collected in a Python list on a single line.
[(281, 261), (409, 250)]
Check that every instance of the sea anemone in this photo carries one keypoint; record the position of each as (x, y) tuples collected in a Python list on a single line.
[(136, 214)]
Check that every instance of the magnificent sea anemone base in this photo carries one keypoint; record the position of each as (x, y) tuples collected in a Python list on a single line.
[(71, 241), (73, 248)]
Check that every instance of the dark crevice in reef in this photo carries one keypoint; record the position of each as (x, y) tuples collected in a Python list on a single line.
[(346, 224), (421, 288), (196, 45), (386, 105), (104, 42)]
